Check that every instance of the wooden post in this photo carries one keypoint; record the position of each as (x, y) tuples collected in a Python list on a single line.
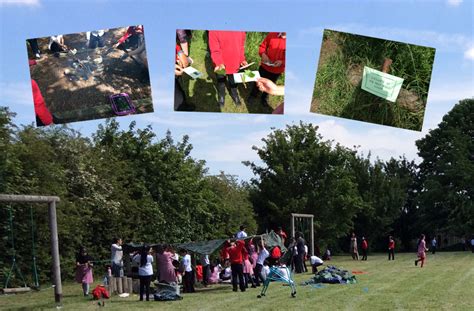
[(136, 286), (111, 285), (130, 285), (292, 226), (53, 226), (124, 284), (119, 285), (312, 237)]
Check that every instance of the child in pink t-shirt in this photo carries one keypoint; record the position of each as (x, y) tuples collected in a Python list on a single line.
[(421, 251)]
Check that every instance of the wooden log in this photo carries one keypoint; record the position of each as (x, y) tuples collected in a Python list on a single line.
[(111, 285), (136, 286), (119, 285), (16, 290), (124, 284)]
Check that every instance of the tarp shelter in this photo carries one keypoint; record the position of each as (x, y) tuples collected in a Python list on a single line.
[(208, 247)]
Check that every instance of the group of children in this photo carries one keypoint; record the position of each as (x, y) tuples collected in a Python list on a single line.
[(421, 248), (131, 40), (227, 53)]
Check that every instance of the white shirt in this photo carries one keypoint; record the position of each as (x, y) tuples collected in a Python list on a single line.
[(95, 33), (147, 269), (56, 39), (241, 235), (205, 260), (117, 254), (187, 263), (227, 272), (305, 249), (262, 256), (315, 259)]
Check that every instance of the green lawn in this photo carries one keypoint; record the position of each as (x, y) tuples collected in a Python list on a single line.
[(338, 92), (445, 283), (202, 92)]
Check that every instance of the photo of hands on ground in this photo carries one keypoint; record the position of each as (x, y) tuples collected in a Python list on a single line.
[(372, 80), (174, 210), (230, 71), (89, 75)]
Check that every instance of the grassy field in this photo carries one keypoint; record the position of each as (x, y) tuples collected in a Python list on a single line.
[(202, 92), (445, 283), (337, 89)]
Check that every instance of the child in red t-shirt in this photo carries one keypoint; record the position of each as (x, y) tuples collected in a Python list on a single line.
[(391, 248), (364, 247), (272, 51)]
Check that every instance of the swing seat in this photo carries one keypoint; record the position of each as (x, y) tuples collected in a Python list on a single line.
[(16, 290)]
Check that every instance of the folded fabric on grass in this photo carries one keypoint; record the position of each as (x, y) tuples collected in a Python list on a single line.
[(332, 275)]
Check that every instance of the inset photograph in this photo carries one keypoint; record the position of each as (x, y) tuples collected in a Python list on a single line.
[(372, 80), (89, 75), (230, 71)]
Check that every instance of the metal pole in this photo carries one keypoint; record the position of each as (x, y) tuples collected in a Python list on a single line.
[(53, 226)]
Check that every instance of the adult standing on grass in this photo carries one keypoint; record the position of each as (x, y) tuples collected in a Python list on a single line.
[(228, 55), (145, 271), (353, 247), (164, 259), (364, 246), (84, 270), (187, 269), (241, 234), (272, 51), (117, 257), (235, 252), (300, 242), (433, 245), (391, 248), (421, 251)]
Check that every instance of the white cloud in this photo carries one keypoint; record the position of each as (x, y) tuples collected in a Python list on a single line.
[(454, 2), (469, 53), (30, 3)]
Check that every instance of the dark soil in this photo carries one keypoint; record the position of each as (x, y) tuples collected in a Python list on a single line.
[(68, 89)]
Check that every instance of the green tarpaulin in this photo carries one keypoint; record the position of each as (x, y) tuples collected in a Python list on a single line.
[(208, 247)]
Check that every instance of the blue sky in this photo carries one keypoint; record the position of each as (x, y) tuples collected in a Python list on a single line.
[(224, 140)]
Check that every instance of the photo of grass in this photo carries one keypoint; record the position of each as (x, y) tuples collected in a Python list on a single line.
[(89, 75), (338, 88), (218, 71)]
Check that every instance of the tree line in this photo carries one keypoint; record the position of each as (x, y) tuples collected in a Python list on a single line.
[(132, 184)]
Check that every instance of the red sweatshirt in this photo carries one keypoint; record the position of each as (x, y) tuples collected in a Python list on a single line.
[(275, 47), (364, 244), (391, 244), (235, 253), (228, 48), (40, 107), (132, 30)]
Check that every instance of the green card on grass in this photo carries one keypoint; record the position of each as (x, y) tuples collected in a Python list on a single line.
[(381, 84)]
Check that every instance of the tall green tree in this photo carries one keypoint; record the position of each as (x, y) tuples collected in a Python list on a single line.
[(447, 173), (301, 173)]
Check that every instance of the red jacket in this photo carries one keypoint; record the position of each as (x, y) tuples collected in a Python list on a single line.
[(132, 30), (364, 244), (275, 47), (391, 244), (228, 48), (236, 252), (40, 107)]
